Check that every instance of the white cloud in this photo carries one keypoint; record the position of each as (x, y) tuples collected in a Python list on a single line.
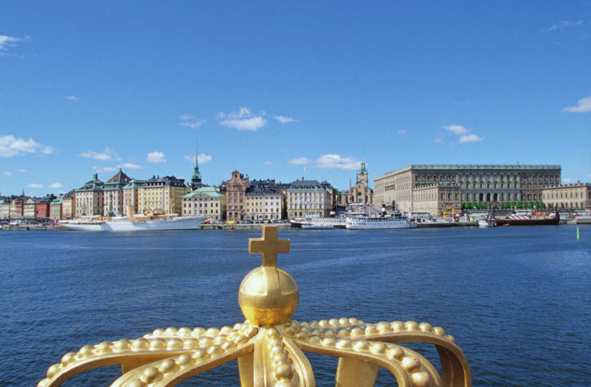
[(35, 185), (268, 163), (563, 24), (242, 120), (107, 154), (11, 146), (201, 159), (105, 169), (300, 161), (330, 161), (190, 121), (72, 98), (402, 132), (333, 161), (513, 143), (22, 170), (584, 106), (192, 124), (9, 41), (470, 138), (461, 131), (156, 157), (457, 129), (284, 120), (55, 185), (7, 173), (130, 166)]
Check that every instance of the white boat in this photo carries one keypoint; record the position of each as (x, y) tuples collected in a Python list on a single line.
[(485, 223), (378, 222), (136, 223), (318, 223), (155, 222)]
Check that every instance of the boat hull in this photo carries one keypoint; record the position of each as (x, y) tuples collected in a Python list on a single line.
[(78, 226), (180, 223), (177, 223), (547, 219)]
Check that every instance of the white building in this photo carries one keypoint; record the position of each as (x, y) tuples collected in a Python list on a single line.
[(205, 201)]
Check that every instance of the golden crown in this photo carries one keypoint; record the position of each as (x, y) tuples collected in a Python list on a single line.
[(269, 347)]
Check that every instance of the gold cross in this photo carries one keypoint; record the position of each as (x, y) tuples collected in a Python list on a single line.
[(269, 246)]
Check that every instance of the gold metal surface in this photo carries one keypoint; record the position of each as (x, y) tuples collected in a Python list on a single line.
[(270, 348)]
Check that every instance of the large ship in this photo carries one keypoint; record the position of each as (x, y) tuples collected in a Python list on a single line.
[(150, 222), (529, 218)]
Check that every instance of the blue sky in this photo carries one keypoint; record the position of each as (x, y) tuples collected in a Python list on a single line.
[(285, 89)]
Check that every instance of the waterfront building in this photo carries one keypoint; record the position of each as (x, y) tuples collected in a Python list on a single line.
[(162, 195), (5, 208), (438, 198), (29, 208), (55, 208), (69, 205), (491, 184), (309, 198), (568, 196), (236, 196), (90, 198), (130, 195), (264, 201), (113, 194), (42, 206), (205, 201), (361, 193), (17, 207)]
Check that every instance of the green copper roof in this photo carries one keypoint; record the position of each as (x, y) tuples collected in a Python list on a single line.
[(207, 191)]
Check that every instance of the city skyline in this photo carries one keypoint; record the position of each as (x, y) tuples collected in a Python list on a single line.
[(289, 91)]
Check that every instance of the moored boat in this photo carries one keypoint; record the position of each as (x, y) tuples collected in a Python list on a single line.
[(487, 222), (136, 223), (155, 222), (529, 218), (378, 222), (320, 223)]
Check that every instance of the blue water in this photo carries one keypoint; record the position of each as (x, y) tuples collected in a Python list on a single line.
[(517, 299)]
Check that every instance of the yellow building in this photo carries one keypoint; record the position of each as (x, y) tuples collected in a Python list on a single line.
[(162, 195), (307, 198), (264, 201), (569, 196)]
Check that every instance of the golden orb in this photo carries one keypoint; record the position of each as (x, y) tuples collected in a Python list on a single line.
[(268, 296)]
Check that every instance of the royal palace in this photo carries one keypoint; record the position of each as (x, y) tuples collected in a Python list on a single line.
[(436, 188)]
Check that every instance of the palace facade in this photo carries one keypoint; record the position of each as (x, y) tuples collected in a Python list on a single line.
[(569, 196), (492, 184)]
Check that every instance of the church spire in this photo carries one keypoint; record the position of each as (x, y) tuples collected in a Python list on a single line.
[(196, 177)]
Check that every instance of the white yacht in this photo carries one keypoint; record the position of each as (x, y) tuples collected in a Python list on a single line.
[(136, 223)]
